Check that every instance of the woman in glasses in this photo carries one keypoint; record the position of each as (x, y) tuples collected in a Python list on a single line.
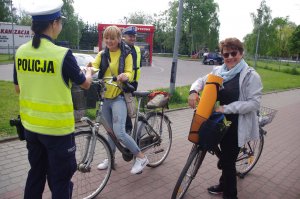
[(239, 99)]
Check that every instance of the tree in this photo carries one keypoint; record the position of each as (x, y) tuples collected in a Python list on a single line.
[(139, 18), (24, 19), (294, 42), (200, 24), (164, 34), (5, 13), (89, 37), (274, 33)]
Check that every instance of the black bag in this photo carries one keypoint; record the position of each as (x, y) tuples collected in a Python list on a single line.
[(212, 131)]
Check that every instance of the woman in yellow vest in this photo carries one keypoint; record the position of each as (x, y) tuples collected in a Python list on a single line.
[(42, 76), (116, 60)]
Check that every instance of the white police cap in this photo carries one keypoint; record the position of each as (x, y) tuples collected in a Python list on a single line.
[(130, 30), (41, 10)]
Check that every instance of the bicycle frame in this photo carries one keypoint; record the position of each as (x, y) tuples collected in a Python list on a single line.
[(100, 120), (217, 150), (141, 117)]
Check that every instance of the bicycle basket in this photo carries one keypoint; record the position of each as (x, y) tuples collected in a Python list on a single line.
[(78, 97), (266, 115), (85, 99), (92, 95), (158, 99), (212, 131)]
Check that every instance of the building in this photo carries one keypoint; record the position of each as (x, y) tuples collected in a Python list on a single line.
[(13, 35)]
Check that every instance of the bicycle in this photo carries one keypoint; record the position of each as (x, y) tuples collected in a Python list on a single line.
[(248, 156), (151, 131)]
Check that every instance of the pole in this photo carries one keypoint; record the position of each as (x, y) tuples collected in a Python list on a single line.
[(77, 33), (258, 33), (176, 46), (12, 27), (256, 49)]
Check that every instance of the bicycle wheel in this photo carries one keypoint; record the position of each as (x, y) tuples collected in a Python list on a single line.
[(89, 181), (188, 172), (249, 155), (159, 151)]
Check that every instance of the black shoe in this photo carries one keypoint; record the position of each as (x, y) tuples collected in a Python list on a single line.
[(216, 189)]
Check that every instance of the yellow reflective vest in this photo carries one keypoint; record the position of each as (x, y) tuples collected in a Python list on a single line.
[(137, 71), (46, 105)]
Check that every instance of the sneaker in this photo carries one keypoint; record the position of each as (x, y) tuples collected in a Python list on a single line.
[(216, 189), (139, 165), (104, 165)]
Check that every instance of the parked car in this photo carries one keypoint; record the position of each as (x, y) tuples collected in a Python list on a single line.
[(212, 58), (83, 59)]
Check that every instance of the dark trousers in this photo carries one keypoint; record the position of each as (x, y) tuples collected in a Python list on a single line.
[(51, 157), (230, 151), (128, 126)]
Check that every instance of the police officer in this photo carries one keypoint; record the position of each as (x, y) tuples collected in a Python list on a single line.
[(42, 76), (129, 36)]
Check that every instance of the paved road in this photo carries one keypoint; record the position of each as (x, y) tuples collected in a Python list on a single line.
[(276, 175), (156, 76), (6, 72)]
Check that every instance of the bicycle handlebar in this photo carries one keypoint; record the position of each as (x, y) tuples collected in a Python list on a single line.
[(128, 86)]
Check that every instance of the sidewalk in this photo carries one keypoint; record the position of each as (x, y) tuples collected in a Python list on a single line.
[(276, 175)]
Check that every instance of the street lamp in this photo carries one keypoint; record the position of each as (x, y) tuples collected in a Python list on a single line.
[(259, 11), (176, 47), (12, 23), (77, 33)]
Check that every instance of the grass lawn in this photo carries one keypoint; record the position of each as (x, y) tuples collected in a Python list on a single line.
[(285, 67), (5, 58), (9, 106)]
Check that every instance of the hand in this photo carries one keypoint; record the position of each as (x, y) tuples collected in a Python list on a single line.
[(193, 100), (89, 65), (220, 109), (122, 77)]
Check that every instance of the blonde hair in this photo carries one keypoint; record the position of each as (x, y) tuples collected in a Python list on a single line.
[(112, 32)]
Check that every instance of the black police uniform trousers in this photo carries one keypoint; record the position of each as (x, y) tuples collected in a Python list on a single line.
[(51, 157)]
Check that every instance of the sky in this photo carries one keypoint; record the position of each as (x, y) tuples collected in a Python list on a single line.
[(234, 15)]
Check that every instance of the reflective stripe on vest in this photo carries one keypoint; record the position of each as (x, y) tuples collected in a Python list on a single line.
[(137, 71), (46, 105)]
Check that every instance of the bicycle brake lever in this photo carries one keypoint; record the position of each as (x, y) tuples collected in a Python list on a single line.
[(128, 87)]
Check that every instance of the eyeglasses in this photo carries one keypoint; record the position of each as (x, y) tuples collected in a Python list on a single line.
[(233, 54)]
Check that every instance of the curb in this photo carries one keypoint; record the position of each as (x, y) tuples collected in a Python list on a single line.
[(8, 139), (13, 138)]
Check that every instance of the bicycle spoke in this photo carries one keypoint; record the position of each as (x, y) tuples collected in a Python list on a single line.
[(248, 156), (88, 180), (155, 138)]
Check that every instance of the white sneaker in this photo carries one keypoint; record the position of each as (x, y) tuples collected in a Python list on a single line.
[(139, 165), (103, 165)]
